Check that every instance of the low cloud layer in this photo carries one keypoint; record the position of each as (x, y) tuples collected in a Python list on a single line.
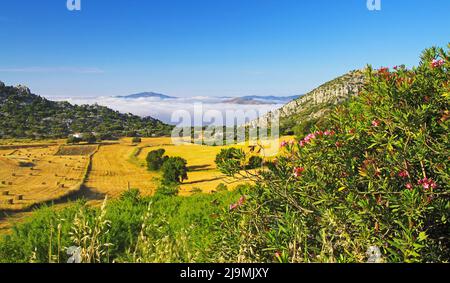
[(170, 110)]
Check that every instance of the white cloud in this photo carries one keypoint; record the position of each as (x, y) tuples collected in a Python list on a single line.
[(163, 109)]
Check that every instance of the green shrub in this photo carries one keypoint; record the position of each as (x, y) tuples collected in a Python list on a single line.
[(168, 189), (373, 187), (230, 161), (136, 140), (155, 159), (174, 170), (254, 162)]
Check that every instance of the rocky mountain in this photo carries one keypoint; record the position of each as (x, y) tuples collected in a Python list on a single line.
[(312, 106), (26, 115)]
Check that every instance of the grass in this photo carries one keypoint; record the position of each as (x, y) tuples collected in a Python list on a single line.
[(44, 236)]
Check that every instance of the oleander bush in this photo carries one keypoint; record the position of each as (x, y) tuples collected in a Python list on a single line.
[(373, 187)]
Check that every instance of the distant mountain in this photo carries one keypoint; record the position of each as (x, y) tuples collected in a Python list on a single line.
[(26, 115), (313, 106), (147, 95), (274, 98), (260, 100), (246, 101)]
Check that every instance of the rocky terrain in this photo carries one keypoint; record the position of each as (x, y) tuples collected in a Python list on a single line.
[(316, 103)]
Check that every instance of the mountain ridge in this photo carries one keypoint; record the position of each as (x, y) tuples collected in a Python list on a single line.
[(315, 104)]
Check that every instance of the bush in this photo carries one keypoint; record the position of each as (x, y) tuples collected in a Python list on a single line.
[(373, 187), (73, 140), (254, 162), (174, 170), (136, 140), (155, 159), (168, 189), (230, 161)]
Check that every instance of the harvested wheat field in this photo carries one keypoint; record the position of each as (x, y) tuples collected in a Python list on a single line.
[(33, 175), (112, 172)]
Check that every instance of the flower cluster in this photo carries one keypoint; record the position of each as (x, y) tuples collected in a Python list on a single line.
[(376, 123), (313, 136), (427, 183), (286, 143), (403, 174), (437, 63), (298, 171)]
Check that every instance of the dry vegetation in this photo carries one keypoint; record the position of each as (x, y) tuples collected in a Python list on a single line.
[(33, 175)]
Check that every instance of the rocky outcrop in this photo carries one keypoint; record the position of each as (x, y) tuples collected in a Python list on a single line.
[(314, 103)]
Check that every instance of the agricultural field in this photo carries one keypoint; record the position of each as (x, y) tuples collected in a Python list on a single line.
[(112, 173), (34, 175)]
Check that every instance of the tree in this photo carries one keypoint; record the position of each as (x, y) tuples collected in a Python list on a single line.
[(174, 170), (89, 138), (155, 159)]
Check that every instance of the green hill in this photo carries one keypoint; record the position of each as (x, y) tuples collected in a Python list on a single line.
[(26, 115)]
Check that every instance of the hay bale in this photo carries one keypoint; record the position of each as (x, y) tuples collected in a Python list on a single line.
[(5, 193), (18, 197), (9, 201)]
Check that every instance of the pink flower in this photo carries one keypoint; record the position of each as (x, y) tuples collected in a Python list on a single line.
[(403, 174), (277, 254), (241, 201), (376, 123), (427, 183), (233, 206), (310, 137), (298, 171), (409, 186), (302, 143), (284, 143), (327, 133), (338, 144), (437, 63)]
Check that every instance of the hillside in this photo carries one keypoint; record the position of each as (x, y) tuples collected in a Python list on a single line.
[(26, 115), (311, 107)]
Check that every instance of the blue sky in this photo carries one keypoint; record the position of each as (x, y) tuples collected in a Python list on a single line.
[(208, 47)]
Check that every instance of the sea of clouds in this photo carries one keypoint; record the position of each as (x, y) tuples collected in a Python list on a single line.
[(168, 109)]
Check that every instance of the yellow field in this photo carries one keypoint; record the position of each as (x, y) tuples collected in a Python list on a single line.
[(112, 172), (35, 175)]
